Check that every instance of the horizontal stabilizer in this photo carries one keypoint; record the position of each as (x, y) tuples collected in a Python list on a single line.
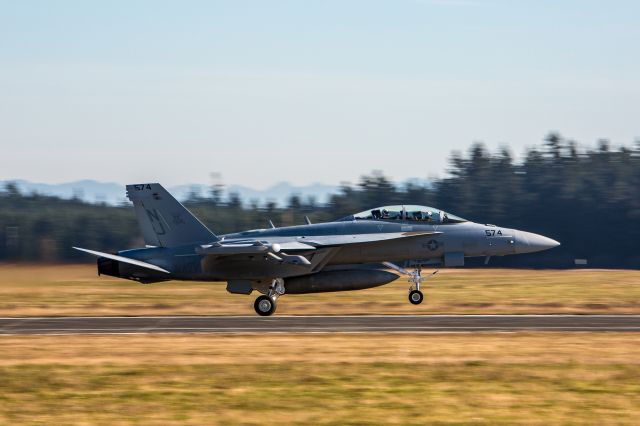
[(124, 260)]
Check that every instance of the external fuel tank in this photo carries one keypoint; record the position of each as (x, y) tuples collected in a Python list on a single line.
[(341, 280)]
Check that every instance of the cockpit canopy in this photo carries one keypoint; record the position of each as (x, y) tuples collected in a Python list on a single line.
[(410, 213)]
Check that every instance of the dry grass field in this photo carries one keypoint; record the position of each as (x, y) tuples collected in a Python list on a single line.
[(76, 290), (536, 378), (333, 379)]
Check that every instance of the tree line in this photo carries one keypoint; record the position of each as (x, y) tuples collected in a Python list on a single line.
[(588, 199)]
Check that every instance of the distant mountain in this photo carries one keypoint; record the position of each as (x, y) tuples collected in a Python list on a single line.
[(88, 190), (278, 193), (114, 193)]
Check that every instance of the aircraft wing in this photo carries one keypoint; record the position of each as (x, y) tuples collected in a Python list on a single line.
[(339, 240), (241, 247), (279, 250), (124, 260), (248, 247)]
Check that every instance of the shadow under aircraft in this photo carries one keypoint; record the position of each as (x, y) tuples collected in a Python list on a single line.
[(360, 251)]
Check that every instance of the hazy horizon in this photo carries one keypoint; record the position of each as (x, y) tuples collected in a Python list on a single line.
[(304, 92)]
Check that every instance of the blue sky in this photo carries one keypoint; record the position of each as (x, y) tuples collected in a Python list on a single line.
[(324, 91)]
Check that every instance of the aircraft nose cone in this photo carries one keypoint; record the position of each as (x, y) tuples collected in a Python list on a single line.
[(528, 242)]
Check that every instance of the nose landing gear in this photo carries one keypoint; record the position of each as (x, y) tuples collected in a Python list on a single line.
[(415, 278), (266, 304), (415, 297)]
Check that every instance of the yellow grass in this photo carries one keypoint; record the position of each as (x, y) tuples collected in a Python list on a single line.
[(77, 290), (535, 378)]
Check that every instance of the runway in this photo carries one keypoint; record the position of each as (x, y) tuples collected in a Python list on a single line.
[(318, 324)]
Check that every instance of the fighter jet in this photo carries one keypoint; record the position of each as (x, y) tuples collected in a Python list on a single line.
[(360, 251)]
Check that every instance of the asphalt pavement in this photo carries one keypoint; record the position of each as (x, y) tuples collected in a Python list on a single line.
[(319, 324)]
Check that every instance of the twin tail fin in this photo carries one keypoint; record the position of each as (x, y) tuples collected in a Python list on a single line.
[(165, 222)]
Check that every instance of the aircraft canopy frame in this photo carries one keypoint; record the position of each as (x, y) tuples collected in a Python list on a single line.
[(407, 213)]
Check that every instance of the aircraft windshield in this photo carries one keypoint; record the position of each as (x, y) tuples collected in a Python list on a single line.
[(408, 213)]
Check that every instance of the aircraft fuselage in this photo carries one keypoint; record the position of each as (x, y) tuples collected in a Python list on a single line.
[(454, 241)]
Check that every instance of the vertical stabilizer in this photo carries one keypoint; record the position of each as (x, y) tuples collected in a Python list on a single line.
[(163, 220)]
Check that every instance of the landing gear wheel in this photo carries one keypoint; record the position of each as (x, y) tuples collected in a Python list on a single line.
[(264, 306), (415, 297)]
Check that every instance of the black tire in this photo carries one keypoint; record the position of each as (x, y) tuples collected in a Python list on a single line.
[(264, 306), (415, 297)]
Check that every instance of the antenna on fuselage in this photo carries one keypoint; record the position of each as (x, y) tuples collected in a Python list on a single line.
[(307, 221), (271, 224)]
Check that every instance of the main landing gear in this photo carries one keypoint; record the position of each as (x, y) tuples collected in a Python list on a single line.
[(266, 304)]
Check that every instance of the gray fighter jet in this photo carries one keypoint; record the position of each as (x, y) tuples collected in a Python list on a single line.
[(356, 252)]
